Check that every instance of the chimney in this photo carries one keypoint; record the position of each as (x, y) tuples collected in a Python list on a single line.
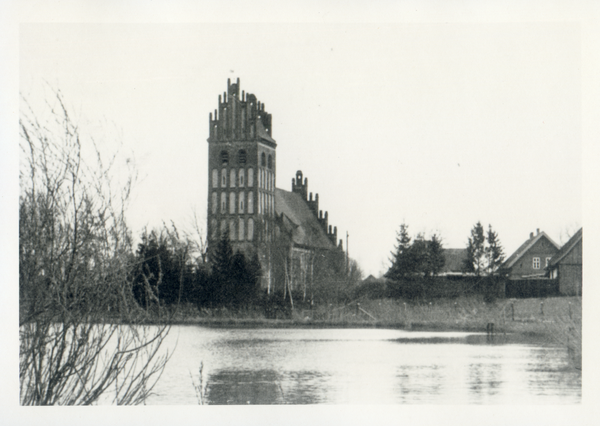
[(538, 231), (531, 235)]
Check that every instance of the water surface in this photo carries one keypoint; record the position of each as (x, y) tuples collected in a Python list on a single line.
[(362, 366)]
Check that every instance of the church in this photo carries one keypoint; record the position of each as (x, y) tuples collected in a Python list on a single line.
[(286, 228)]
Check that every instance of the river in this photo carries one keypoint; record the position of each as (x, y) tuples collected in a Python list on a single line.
[(361, 366)]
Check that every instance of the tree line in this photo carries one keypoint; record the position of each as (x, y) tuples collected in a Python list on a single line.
[(415, 263)]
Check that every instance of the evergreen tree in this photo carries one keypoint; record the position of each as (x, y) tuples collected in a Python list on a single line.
[(435, 256), (484, 255), (475, 261), (494, 252), (401, 262), (220, 283)]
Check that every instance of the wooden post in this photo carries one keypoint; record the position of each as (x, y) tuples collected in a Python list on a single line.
[(357, 308), (542, 307), (512, 306)]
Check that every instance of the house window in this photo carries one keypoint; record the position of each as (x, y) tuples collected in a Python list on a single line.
[(548, 261), (536, 263), (224, 158)]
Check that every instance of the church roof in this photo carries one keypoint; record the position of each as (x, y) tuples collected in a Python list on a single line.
[(262, 133), (300, 220)]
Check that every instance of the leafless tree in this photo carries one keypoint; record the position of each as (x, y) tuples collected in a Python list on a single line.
[(82, 338)]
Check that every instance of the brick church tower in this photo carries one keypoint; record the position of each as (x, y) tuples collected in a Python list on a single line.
[(242, 170)]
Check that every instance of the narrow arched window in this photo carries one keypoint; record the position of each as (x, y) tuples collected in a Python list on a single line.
[(223, 227), (231, 202), (250, 203), (215, 178), (241, 177), (250, 177), (270, 162), (263, 160), (241, 156), (232, 178), (214, 229), (250, 229), (241, 235), (223, 203), (224, 158), (232, 233), (224, 178), (214, 205), (241, 198)]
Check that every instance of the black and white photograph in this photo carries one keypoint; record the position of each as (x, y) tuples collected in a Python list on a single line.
[(317, 206)]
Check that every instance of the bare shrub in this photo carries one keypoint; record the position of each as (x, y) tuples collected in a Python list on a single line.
[(81, 335)]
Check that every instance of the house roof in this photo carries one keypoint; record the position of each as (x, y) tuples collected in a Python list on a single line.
[(525, 248), (566, 249), (454, 260), (300, 220)]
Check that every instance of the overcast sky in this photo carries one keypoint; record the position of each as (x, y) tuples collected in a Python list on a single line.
[(435, 125)]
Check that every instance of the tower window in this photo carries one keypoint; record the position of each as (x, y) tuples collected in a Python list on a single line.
[(263, 160), (215, 178), (232, 203), (241, 177), (232, 178), (250, 203), (241, 229), (250, 229), (242, 198), (242, 156), (224, 158), (270, 163), (223, 203), (224, 178), (250, 177), (214, 203)]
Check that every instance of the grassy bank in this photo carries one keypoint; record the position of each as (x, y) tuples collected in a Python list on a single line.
[(555, 320)]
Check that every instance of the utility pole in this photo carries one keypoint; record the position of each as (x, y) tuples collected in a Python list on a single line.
[(347, 249)]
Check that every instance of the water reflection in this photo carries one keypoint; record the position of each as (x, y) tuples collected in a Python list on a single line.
[(265, 387), (367, 366)]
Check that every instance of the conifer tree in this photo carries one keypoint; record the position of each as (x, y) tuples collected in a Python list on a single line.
[(494, 252), (401, 263), (475, 251)]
